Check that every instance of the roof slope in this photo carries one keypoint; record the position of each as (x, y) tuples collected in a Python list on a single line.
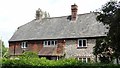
[(60, 27), (50, 51)]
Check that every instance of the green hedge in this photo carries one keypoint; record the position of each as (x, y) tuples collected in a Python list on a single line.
[(43, 62)]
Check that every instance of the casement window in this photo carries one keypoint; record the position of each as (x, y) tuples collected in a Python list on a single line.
[(82, 43), (23, 44), (50, 43), (84, 59)]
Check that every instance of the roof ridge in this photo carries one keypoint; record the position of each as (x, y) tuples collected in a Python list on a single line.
[(69, 15)]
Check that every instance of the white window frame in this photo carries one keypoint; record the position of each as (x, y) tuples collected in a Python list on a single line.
[(23, 44), (86, 60), (82, 59), (82, 42), (45, 43)]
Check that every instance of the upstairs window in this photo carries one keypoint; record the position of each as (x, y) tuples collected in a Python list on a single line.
[(82, 43), (23, 44), (50, 43)]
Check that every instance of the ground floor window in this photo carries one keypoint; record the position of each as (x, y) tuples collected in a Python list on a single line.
[(51, 57), (84, 59)]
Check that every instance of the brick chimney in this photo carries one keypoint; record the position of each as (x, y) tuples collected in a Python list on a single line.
[(39, 14), (74, 9)]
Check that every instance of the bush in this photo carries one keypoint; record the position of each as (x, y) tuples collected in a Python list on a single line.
[(43, 62), (29, 54)]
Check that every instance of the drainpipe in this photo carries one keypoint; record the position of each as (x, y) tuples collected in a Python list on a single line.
[(14, 50)]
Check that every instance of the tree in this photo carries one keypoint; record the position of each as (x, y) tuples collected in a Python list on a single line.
[(4, 50), (103, 51), (110, 15), (0, 48), (29, 54)]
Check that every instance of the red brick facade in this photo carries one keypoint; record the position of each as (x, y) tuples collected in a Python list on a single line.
[(35, 46), (60, 47)]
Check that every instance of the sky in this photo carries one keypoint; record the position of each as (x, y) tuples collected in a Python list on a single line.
[(14, 13)]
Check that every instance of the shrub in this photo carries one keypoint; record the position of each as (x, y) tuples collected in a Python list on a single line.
[(29, 54), (43, 62)]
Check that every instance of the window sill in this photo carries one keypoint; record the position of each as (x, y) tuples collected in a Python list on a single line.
[(24, 48), (81, 47), (49, 46)]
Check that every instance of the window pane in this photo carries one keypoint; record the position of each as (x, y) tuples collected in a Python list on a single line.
[(80, 59), (80, 43), (55, 42), (84, 42), (84, 59), (45, 42), (88, 59), (26, 45), (52, 43), (48, 42), (23, 45)]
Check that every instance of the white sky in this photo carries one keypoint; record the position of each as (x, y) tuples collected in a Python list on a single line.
[(14, 13)]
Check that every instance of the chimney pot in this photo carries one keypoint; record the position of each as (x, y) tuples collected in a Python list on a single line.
[(74, 9), (39, 14)]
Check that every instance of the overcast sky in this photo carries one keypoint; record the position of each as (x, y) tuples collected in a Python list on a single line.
[(14, 13)]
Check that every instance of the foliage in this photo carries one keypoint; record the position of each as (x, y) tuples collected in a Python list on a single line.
[(102, 51), (4, 50), (6, 55), (43, 62), (29, 54), (110, 45), (0, 62)]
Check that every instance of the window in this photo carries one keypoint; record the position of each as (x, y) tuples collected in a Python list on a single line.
[(50, 43), (23, 44), (82, 43), (84, 59)]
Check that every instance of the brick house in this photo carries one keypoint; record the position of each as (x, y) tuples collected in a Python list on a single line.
[(55, 37)]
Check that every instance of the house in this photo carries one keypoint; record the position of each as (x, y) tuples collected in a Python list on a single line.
[(56, 37)]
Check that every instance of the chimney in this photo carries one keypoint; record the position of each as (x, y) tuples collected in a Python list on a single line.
[(39, 14), (74, 12)]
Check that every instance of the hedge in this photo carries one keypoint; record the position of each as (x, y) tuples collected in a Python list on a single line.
[(44, 63)]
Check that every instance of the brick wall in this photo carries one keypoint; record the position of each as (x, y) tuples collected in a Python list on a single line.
[(15, 47), (60, 46), (34, 46)]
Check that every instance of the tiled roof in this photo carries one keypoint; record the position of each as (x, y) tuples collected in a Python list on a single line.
[(60, 27), (49, 51)]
